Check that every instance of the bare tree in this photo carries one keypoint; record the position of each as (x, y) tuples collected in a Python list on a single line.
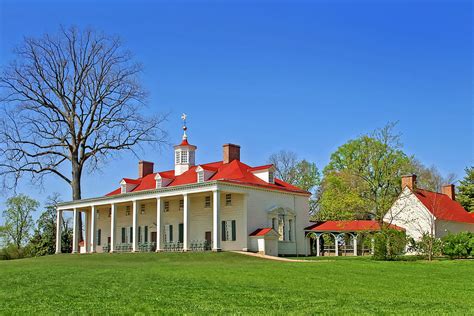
[(285, 163), (70, 101)]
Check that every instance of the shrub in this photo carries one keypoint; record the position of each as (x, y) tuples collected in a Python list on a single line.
[(459, 245), (427, 246), (388, 244)]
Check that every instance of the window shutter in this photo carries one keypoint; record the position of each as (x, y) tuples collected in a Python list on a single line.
[(171, 232), (99, 233), (139, 234), (223, 231), (181, 232), (233, 231), (123, 235), (146, 234), (131, 234)]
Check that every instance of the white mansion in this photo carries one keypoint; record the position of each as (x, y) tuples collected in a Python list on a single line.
[(224, 205)]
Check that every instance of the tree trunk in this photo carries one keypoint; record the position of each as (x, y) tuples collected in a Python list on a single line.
[(76, 190)]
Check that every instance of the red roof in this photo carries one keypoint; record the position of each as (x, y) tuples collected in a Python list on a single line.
[(233, 172), (131, 181), (442, 207), (265, 167), (261, 231), (348, 226)]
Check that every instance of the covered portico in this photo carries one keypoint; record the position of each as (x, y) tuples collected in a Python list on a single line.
[(145, 219), (346, 238)]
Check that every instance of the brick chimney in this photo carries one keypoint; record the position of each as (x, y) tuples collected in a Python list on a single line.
[(409, 181), (144, 168), (449, 191), (231, 152)]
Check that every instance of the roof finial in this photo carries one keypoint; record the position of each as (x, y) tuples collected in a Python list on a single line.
[(183, 117)]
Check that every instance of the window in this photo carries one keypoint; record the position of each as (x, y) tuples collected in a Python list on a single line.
[(139, 234), (159, 183), (146, 234), (99, 237), (131, 235), (200, 176), (98, 214), (191, 157), (281, 227), (290, 232), (124, 237), (123, 188), (207, 201), (127, 211), (142, 209), (228, 199), (274, 223), (177, 157), (180, 232), (271, 177), (166, 206), (168, 233), (228, 231), (110, 212), (184, 157), (181, 205)]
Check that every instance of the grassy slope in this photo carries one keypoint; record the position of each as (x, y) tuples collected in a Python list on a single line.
[(226, 282)]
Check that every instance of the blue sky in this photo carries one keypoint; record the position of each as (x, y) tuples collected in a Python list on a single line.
[(302, 76)]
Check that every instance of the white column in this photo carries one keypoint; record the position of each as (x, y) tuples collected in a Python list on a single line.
[(244, 221), (158, 225), (75, 233), (112, 228), (93, 230), (318, 246), (185, 222), (135, 227), (86, 231), (59, 228), (355, 245), (336, 244), (216, 238)]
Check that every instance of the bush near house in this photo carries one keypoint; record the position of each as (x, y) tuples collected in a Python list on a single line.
[(459, 245), (389, 244)]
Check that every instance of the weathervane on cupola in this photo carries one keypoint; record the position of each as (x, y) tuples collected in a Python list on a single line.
[(185, 128), (184, 153)]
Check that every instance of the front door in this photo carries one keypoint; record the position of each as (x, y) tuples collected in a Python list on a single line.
[(208, 238)]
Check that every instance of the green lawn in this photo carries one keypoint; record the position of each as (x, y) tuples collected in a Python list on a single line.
[(200, 283)]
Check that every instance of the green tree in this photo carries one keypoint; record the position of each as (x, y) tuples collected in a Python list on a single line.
[(18, 220), (43, 241), (366, 172), (465, 194)]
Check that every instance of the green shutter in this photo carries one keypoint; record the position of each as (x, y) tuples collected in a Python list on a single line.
[(233, 231), (131, 234), (181, 232), (223, 231), (123, 235), (139, 234), (99, 233), (146, 234), (171, 232)]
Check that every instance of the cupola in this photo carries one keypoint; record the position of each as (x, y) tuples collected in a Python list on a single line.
[(184, 153)]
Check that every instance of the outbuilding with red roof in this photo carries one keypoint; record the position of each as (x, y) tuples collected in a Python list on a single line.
[(421, 211)]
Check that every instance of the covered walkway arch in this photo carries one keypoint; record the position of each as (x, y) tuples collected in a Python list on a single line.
[(347, 238)]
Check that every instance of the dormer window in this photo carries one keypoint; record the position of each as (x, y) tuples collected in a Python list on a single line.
[(123, 188), (159, 183), (271, 177), (200, 175)]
